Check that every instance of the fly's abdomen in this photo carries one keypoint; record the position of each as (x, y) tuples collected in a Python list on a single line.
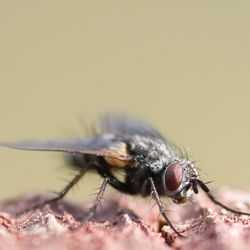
[(78, 160), (83, 160)]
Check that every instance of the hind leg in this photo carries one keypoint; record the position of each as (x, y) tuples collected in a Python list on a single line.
[(60, 195)]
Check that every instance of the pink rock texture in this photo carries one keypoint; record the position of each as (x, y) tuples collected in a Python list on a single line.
[(125, 222)]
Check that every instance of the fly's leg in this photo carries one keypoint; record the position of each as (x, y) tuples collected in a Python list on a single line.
[(161, 207), (114, 182), (98, 199), (108, 179), (60, 195), (214, 200)]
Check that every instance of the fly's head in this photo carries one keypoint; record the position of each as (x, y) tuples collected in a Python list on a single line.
[(180, 180)]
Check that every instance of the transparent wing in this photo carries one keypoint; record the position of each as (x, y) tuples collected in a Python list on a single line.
[(94, 146), (120, 124)]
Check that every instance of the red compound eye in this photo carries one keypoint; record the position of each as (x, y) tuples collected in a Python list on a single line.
[(173, 176)]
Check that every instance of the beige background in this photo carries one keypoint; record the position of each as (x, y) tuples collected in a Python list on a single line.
[(182, 65)]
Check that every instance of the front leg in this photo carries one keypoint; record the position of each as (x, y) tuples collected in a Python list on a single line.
[(161, 207)]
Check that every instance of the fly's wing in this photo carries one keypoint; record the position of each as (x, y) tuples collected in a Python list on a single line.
[(119, 124), (102, 144), (122, 125), (93, 146)]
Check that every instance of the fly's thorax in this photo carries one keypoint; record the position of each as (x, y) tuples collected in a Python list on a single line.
[(154, 153), (177, 180)]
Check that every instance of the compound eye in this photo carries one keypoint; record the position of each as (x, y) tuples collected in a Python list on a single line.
[(173, 176)]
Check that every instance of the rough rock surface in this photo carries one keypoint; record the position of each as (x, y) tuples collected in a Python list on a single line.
[(124, 222)]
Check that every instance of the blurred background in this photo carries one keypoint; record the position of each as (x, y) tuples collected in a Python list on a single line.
[(184, 67)]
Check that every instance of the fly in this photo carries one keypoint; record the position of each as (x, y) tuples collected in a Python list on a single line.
[(150, 164)]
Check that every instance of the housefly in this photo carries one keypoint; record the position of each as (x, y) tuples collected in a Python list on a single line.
[(151, 165)]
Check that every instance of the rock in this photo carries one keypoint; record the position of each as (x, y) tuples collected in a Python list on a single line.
[(124, 222)]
